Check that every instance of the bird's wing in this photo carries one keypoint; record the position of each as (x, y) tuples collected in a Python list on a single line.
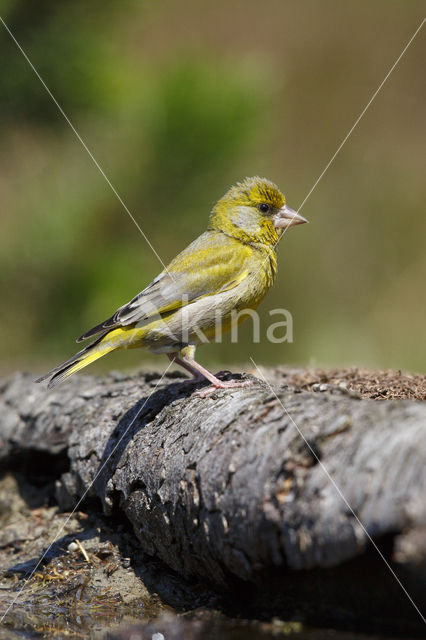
[(211, 264)]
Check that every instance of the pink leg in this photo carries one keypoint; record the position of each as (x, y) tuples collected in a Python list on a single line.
[(190, 364), (196, 375)]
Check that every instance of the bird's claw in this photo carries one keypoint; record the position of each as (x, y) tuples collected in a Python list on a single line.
[(224, 384)]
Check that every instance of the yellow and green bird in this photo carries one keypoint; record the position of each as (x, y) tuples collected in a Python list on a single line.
[(231, 266)]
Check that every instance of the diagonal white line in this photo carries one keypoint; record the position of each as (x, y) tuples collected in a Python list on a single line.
[(333, 482), (95, 162), (362, 113), (64, 524), (345, 139), (323, 467)]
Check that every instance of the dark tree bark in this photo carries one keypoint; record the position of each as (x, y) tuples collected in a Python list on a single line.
[(226, 487)]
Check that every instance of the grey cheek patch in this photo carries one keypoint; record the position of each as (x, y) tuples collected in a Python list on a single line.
[(246, 219)]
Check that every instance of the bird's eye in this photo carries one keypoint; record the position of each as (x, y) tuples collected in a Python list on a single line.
[(264, 207)]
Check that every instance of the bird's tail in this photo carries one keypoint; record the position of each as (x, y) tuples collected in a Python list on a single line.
[(100, 347)]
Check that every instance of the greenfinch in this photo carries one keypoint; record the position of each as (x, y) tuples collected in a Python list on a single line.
[(231, 266)]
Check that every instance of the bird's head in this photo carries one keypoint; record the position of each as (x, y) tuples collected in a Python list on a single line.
[(254, 211)]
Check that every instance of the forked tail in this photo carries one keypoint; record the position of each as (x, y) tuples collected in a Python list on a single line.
[(89, 354)]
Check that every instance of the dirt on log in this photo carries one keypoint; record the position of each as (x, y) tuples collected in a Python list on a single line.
[(276, 489)]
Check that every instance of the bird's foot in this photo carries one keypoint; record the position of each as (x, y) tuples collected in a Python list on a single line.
[(222, 384)]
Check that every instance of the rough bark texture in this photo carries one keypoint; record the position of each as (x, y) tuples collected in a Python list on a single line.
[(226, 487)]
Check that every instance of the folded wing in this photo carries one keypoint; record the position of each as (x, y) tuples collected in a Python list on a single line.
[(211, 264)]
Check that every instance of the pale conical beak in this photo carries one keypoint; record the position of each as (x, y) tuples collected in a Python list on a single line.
[(287, 217)]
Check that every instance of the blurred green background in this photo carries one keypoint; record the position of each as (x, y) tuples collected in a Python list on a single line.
[(177, 101)]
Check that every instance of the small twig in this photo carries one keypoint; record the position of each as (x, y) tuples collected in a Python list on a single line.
[(82, 550)]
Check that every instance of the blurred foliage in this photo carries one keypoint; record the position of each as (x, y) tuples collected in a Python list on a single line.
[(179, 100), (71, 45)]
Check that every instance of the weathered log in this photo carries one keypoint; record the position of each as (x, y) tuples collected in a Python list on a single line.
[(226, 487)]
